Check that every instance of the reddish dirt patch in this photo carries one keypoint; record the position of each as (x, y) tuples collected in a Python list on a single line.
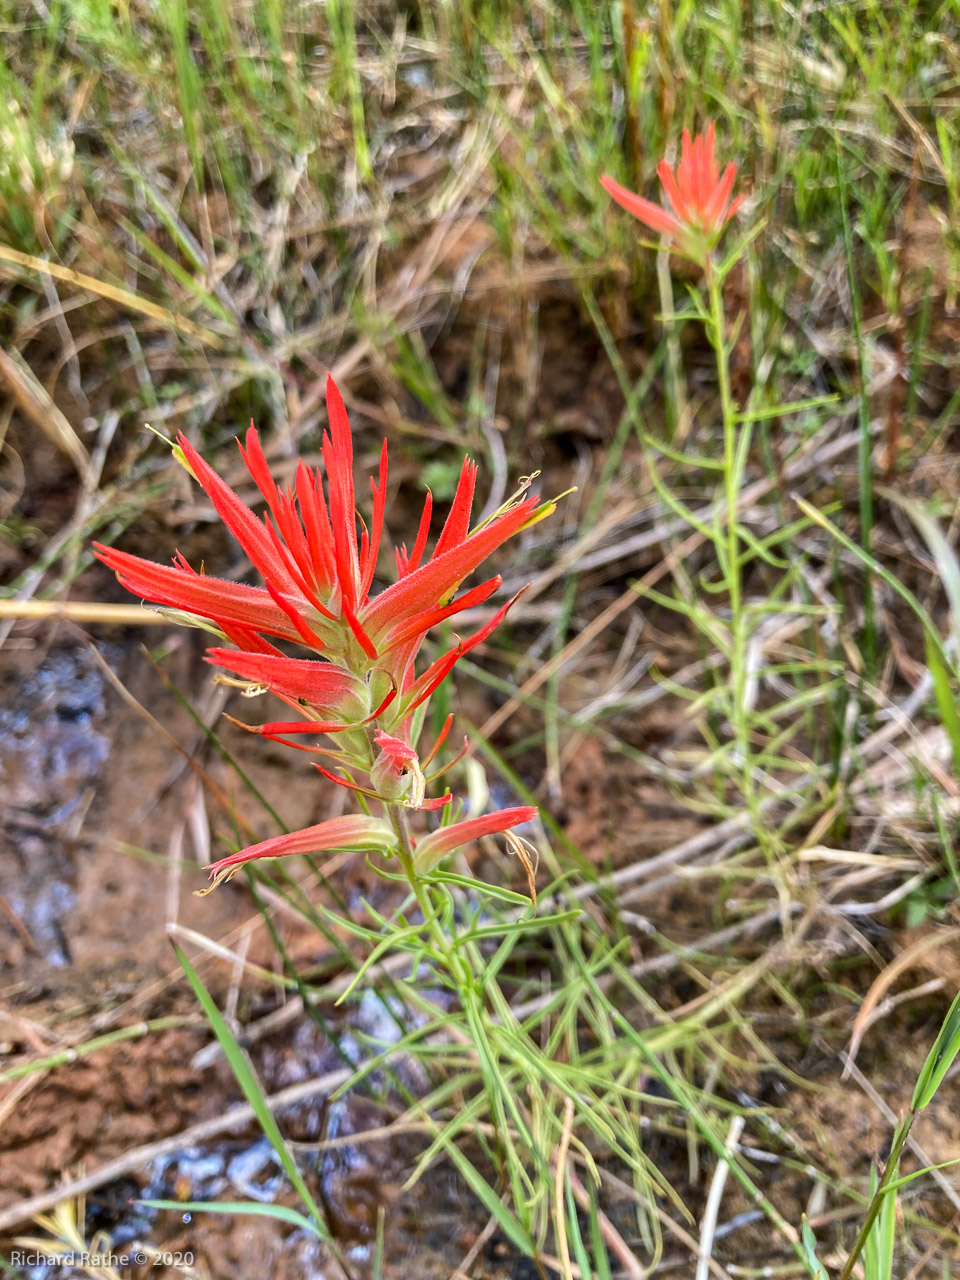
[(88, 1112)]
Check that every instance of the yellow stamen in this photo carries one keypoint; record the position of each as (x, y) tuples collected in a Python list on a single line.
[(529, 857), (248, 688)]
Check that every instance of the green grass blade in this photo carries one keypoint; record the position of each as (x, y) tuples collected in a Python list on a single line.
[(864, 465), (252, 1091), (946, 702), (508, 1223), (940, 1058), (944, 556), (281, 1212), (601, 1261)]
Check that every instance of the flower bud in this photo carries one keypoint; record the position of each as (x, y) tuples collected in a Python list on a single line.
[(396, 774)]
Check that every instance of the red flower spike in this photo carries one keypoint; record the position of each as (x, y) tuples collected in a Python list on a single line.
[(196, 593), (432, 848), (321, 684), (369, 566), (407, 563), (356, 832), (318, 559), (316, 582), (441, 575), (240, 520), (441, 739), (697, 194), (457, 524), (438, 672)]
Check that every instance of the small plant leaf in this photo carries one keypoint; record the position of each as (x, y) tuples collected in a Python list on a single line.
[(946, 702), (939, 1059), (808, 1241), (248, 1082), (510, 1225), (281, 1212)]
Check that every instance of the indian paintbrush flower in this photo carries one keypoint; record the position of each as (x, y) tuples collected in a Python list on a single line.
[(432, 848), (353, 832), (700, 198), (317, 558)]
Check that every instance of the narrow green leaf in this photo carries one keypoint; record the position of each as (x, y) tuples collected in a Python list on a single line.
[(597, 1243), (574, 1234), (779, 410), (808, 1241), (944, 556), (519, 926), (511, 1226), (252, 1207), (946, 702), (180, 274), (907, 1178), (248, 1082), (477, 886), (939, 1059)]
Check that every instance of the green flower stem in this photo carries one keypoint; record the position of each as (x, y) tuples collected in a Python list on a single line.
[(739, 712), (731, 491), (729, 412), (456, 966), (462, 966), (876, 1204)]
